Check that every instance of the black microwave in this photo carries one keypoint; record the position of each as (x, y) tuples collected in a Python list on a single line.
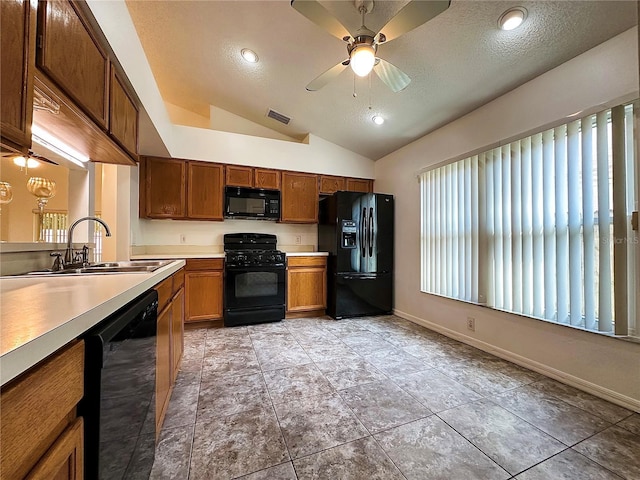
[(240, 202)]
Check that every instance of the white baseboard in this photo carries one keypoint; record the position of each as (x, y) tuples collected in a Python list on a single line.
[(592, 388)]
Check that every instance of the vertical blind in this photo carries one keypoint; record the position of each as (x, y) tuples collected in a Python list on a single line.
[(540, 226)]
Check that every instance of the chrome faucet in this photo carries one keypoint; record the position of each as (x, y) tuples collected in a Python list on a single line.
[(68, 257)]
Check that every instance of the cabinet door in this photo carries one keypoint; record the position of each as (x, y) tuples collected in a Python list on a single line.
[(72, 57), (177, 332), (205, 191), (123, 116), (203, 295), (239, 176), (164, 183), (163, 366), (359, 185), (267, 179), (64, 460), (299, 198), (17, 49), (330, 184), (306, 283)]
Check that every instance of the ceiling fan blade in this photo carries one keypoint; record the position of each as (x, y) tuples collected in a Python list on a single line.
[(327, 76), (391, 75), (321, 17), (412, 15)]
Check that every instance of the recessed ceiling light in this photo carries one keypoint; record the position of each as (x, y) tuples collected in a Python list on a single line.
[(378, 120), (249, 55), (512, 18)]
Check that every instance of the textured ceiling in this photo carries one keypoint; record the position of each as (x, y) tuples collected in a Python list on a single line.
[(457, 61)]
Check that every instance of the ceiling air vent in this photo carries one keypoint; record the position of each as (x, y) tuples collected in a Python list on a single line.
[(278, 116)]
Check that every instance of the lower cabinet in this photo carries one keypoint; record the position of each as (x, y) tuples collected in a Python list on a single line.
[(169, 342), (306, 286), (204, 285), (41, 436)]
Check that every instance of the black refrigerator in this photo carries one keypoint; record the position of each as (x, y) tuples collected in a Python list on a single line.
[(357, 231)]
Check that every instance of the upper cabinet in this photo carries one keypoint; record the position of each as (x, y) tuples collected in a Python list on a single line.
[(17, 52), (299, 201), (71, 56), (123, 115), (330, 184), (239, 176), (180, 189)]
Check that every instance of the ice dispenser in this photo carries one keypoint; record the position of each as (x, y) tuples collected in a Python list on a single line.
[(349, 232)]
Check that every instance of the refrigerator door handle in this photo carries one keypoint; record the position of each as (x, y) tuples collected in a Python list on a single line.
[(364, 229), (371, 228)]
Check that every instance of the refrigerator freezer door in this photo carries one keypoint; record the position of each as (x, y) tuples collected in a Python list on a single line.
[(355, 295)]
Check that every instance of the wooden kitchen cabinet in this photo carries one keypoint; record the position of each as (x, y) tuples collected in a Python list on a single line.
[(205, 191), (64, 460), (239, 176), (39, 430), (123, 115), (306, 285), (180, 189), (330, 184), (299, 201), (359, 185), (70, 54), (17, 55), (162, 188), (169, 341), (204, 284)]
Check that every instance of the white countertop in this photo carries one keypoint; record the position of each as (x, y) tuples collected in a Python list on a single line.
[(41, 314)]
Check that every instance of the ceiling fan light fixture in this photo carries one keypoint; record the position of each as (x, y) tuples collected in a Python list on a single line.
[(25, 162), (362, 59), (377, 119), (512, 18), (249, 55)]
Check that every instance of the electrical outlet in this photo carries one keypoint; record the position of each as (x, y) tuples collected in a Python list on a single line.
[(183, 238), (298, 239), (471, 324)]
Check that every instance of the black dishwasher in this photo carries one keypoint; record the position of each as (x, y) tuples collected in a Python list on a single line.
[(119, 400)]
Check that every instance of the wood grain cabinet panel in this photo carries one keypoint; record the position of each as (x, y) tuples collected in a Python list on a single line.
[(64, 460), (72, 57), (330, 184), (238, 176), (177, 332), (204, 290), (163, 188), (37, 408), (267, 179), (205, 191), (359, 185), (306, 284), (123, 116), (17, 53), (299, 201), (163, 366)]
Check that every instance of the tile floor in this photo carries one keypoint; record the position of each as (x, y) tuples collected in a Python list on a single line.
[(379, 398)]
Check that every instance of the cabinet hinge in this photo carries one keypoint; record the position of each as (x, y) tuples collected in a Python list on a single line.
[(40, 41), (634, 220)]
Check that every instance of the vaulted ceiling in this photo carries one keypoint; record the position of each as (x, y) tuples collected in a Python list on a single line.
[(457, 61)]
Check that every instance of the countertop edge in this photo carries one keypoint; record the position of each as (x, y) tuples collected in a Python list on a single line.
[(166, 256), (22, 358)]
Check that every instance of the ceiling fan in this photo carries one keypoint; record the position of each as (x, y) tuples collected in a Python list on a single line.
[(362, 47)]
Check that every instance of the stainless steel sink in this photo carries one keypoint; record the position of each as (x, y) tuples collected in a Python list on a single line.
[(133, 266)]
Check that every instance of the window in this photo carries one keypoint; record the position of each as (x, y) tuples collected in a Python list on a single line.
[(540, 226)]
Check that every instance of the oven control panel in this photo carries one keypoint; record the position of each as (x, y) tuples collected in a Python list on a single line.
[(255, 258)]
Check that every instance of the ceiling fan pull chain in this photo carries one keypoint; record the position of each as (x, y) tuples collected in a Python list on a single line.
[(354, 86), (369, 90)]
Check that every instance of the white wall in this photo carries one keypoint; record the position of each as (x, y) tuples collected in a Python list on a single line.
[(608, 367)]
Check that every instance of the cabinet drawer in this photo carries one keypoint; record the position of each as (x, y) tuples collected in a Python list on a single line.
[(178, 280), (165, 292), (205, 264), (37, 407), (307, 261)]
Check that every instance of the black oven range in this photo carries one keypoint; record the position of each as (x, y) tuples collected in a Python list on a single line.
[(255, 279)]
